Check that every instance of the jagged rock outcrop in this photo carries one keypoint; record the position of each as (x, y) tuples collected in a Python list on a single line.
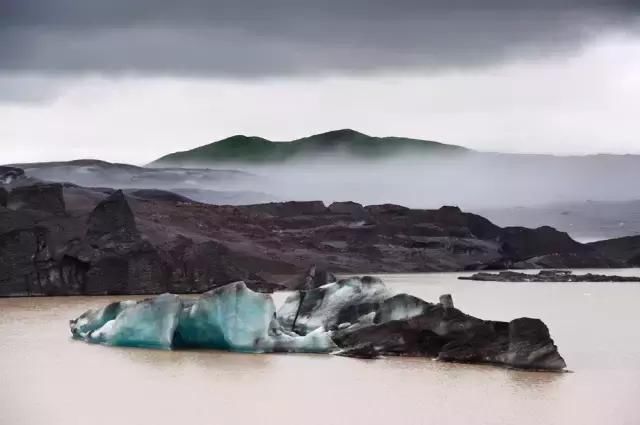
[(446, 300), (114, 219), (121, 261), (40, 197), (67, 239), (197, 267), (22, 246), (44, 251), (48, 255)]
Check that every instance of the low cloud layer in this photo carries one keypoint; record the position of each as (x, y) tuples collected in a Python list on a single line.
[(251, 38), (130, 81), (579, 105)]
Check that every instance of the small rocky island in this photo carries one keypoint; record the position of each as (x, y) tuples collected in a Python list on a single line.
[(356, 317), (547, 276)]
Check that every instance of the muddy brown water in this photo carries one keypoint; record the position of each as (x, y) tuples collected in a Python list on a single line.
[(48, 378)]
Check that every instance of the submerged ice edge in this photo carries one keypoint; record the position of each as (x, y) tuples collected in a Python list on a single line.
[(357, 317)]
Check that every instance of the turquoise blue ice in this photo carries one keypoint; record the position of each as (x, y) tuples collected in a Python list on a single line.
[(231, 317), (150, 323)]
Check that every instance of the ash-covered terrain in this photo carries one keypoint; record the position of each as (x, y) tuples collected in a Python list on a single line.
[(61, 238)]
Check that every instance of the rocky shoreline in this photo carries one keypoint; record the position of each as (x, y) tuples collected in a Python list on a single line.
[(63, 239), (548, 276)]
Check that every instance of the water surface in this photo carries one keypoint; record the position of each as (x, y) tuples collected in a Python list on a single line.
[(46, 378)]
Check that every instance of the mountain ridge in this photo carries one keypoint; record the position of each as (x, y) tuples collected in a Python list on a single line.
[(348, 142), (345, 143)]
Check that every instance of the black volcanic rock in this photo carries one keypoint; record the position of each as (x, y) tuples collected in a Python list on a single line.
[(387, 209), (32, 258), (453, 217), (198, 267), (401, 306), (393, 338), (47, 255), (9, 174), (4, 197), (531, 346), (288, 209), (108, 243), (520, 243), (626, 249), (40, 197), (22, 244), (409, 326), (349, 208), (113, 218), (446, 300), (127, 269), (548, 276)]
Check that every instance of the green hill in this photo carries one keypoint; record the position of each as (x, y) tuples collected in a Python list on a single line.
[(350, 143)]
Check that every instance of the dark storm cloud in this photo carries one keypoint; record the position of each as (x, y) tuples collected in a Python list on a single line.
[(254, 38)]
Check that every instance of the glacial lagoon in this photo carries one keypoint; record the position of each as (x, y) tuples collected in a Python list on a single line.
[(49, 378)]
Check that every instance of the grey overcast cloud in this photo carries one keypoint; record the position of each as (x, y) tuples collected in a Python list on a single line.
[(132, 80)]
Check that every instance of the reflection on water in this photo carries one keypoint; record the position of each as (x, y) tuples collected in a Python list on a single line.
[(48, 378)]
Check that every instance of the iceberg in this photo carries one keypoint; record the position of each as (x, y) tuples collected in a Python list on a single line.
[(356, 317), (149, 323), (232, 317), (330, 305), (94, 319)]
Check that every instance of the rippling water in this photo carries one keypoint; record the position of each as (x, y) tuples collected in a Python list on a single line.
[(47, 378)]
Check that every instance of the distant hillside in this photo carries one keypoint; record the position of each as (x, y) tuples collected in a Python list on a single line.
[(243, 149)]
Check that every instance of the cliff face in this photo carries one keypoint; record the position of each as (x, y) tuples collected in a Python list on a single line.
[(64, 239)]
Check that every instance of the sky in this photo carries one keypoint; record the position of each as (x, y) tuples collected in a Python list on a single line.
[(130, 81)]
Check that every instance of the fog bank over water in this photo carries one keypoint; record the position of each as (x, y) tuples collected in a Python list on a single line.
[(469, 180), (590, 197)]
